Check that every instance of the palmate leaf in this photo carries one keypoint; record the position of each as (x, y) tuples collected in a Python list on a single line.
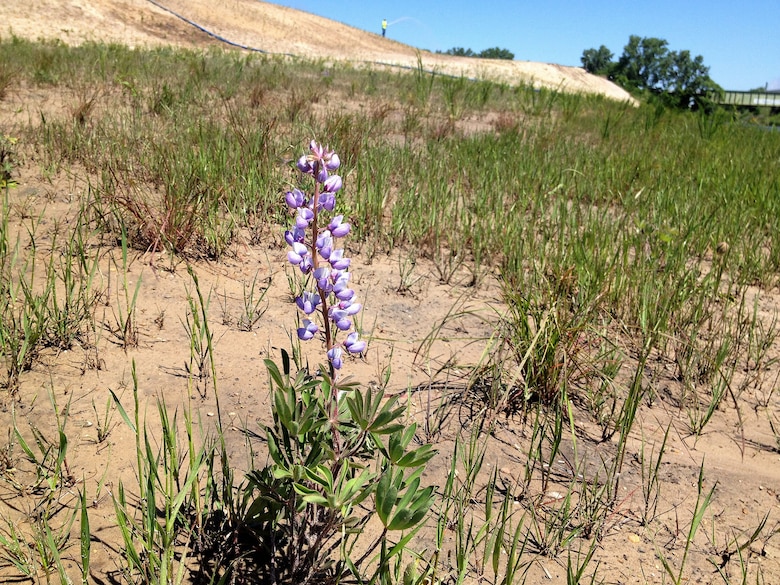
[(412, 508), (354, 490), (364, 408), (358, 408), (417, 457), (383, 423), (398, 442)]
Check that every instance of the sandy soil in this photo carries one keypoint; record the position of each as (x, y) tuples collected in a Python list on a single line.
[(430, 352), (743, 462), (266, 27)]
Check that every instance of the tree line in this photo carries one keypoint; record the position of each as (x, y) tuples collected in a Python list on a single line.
[(492, 53), (648, 66)]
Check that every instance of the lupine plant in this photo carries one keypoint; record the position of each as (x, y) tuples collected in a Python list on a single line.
[(340, 455), (314, 251)]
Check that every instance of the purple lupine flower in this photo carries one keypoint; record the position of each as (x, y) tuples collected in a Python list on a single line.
[(324, 244), (310, 247), (295, 199), (334, 355), (337, 259), (339, 318), (332, 185), (308, 330), (295, 235), (328, 158), (308, 302), (350, 307), (306, 265), (297, 254), (353, 345), (341, 288), (332, 162), (338, 227), (316, 150), (327, 201), (304, 165), (304, 217), (321, 275)]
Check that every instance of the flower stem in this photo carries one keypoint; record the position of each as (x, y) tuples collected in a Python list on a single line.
[(315, 264)]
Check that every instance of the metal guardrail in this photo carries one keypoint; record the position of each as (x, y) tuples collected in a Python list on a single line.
[(749, 98)]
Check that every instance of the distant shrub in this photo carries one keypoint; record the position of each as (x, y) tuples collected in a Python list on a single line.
[(492, 53)]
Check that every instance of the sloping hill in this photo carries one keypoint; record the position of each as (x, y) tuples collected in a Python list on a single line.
[(267, 27)]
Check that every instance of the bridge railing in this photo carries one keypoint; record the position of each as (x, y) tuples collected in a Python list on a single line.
[(748, 98)]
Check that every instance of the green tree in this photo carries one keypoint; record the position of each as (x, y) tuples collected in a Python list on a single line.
[(497, 53), (493, 53), (644, 64), (597, 61), (647, 65), (460, 52)]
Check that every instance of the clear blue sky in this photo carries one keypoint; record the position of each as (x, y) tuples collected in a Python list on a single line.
[(740, 41)]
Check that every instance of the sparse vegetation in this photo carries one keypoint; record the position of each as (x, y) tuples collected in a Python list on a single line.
[(630, 257)]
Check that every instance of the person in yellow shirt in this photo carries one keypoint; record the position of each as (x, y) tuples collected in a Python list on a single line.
[(384, 26)]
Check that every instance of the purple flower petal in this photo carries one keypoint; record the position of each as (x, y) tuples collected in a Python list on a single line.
[(316, 149), (304, 217), (340, 319), (295, 235), (308, 330), (295, 199), (293, 258), (353, 345), (304, 165), (308, 302), (342, 291), (338, 227), (350, 307), (327, 201), (333, 184), (334, 355), (332, 162), (338, 261), (297, 254)]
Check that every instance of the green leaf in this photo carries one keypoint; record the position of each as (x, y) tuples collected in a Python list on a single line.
[(309, 495), (85, 537), (122, 411), (408, 517), (273, 447), (382, 423), (185, 492), (321, 475), (357, 409), (386, 494), (418, 457), (283, 410), (273, 371)]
